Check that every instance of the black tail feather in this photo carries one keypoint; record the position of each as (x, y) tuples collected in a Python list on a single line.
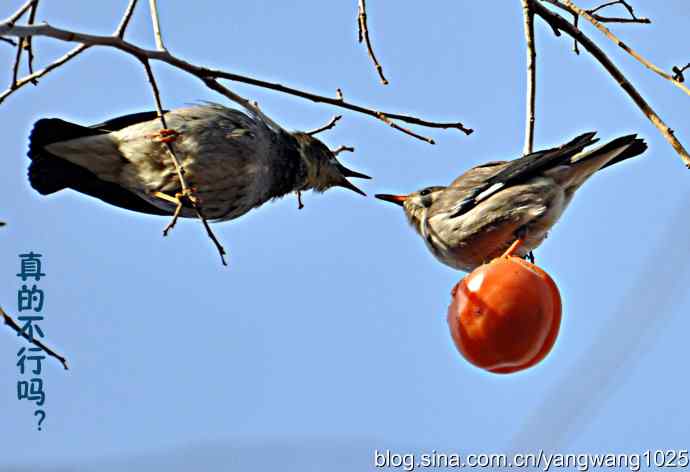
[(637, 147), (47, 173)]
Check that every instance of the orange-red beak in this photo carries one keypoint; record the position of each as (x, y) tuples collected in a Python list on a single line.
[(397, 199)]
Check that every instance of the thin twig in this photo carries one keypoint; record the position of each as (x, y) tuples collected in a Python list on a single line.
[(122, 27), (18, 14), (363, 35), (343, 149), (632, 19), (386, 119), (8, 41), (576, 24), (325, 127), (155, 21), (558, 22), (528, 14), (13, 324), (209, 232), (17, 61), (28, 43), (579, 11), (610, 19)]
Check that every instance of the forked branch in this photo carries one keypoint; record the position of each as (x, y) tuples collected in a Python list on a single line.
[(559, 23)]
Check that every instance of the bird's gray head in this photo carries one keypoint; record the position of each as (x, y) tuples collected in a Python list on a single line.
[(415, 204), (323, 169)]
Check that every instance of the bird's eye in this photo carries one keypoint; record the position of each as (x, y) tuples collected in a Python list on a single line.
[(425, 192)]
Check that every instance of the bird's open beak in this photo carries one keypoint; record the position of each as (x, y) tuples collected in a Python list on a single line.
[(345, 172), (351, 173), (397, 199)]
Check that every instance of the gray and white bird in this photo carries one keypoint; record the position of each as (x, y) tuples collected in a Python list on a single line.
[(234, 161), (482, 212)]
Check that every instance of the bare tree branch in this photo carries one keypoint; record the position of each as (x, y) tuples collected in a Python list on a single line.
[(8, 41), (363, 34), (325, 127), (208, 76), (528, 13), (584, 14), (27, 42), (13, 324), (19, 13), (156, 25), (122, 27), (558, 22)]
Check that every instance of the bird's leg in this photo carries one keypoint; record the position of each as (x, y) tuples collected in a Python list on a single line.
[(165, 135), (181, 199), (513, 248), (300, 205), (530, 256)]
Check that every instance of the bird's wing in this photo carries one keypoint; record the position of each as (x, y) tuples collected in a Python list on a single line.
[(515, 171), (49, 173), (116, 124)]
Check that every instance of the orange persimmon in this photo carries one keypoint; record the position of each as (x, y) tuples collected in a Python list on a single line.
[(505, 315)]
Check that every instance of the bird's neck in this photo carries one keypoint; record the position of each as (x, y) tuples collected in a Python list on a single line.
[(290, 172), (417, 219)]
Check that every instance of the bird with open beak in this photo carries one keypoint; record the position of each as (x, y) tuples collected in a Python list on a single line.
[(485, 210), (234, 161)]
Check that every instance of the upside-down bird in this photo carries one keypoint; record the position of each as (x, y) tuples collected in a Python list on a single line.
[(234, 161), (482, 212)]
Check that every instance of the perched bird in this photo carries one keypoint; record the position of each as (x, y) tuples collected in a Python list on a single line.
[(482, 212), (233, 161)]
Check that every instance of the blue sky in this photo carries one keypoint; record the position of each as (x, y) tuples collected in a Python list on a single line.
[(328, 329)]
